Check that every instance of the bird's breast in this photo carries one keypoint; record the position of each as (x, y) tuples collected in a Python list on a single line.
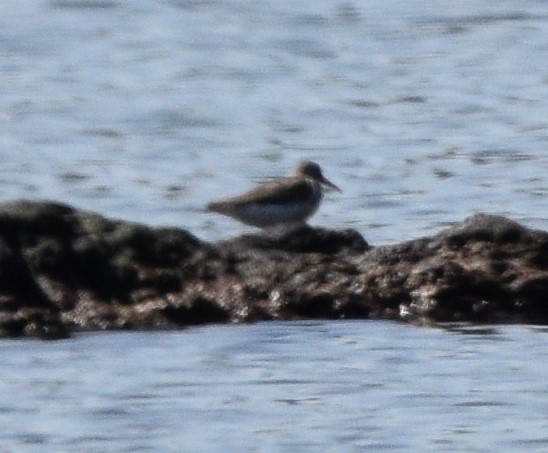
[(271, 214)]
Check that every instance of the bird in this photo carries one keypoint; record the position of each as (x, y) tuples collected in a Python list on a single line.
[(283, 201)]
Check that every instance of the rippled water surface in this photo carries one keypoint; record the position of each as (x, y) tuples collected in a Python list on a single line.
[(329, 386), (422, 112)]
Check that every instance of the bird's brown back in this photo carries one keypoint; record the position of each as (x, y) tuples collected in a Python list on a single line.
[(275, 192)]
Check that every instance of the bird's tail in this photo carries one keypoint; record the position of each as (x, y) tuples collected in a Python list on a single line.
[(215, 206)]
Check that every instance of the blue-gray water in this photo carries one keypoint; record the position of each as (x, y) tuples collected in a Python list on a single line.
[(422, 112), (273, 387), (317, 386)]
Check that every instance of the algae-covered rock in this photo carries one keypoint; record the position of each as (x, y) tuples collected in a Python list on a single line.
[(65, 270)]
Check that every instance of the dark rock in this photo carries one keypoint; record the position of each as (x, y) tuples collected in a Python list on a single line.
[(320, 305), (303, 239), (63, 270), (484, 228), (200, 311)]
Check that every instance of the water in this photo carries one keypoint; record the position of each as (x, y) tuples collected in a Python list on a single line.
[(316, 386), (422, 112)]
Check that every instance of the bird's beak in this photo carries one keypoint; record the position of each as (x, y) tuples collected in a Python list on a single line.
[(328, 183)]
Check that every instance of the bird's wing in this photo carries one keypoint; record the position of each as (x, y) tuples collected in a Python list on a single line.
[(278, 191)]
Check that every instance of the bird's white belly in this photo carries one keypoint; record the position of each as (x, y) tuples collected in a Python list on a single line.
[(264, 215)]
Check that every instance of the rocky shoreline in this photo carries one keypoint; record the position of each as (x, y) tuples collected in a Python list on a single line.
[(64, 270)]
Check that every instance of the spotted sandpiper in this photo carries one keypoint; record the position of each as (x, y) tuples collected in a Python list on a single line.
[(282, 201)]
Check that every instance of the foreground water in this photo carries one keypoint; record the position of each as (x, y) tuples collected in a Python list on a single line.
[(316, 386)]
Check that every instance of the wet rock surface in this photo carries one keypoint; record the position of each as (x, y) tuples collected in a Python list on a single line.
[(64, 270)]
